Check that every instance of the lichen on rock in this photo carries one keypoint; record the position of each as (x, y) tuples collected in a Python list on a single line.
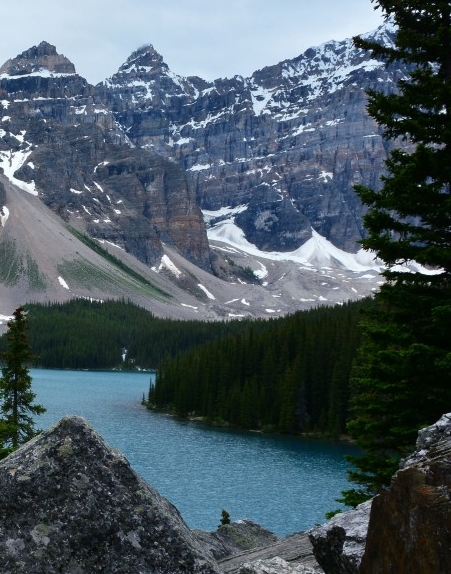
[(69, 503)]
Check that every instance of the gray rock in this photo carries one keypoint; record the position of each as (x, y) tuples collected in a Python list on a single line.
[(405, 529), (277, 566), (37, 58), (69, 503), (85, 168), (293, 551), (428, 437), (339, 544), (234, 538), (2, 195)]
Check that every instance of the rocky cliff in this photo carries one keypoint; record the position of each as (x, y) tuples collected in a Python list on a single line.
[(288, 142), (60, 142), (69, 503)]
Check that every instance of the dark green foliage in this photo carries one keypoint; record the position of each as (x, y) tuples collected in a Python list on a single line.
[(225, 517), (289, 374), (16, 396), (83, 334), (403, 377)]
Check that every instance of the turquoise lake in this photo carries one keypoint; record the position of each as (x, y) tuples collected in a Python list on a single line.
[(284, 484)]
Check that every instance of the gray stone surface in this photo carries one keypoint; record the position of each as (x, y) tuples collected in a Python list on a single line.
[(69, 503), (277, 566), (339, 544), (427, 438), (289, 141), (291, 552), (85, 167), (235, 538)]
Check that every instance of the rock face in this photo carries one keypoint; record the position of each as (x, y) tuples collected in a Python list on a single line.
[(339, 544), (289, 142), (404, 530), (149, 161), (410, 524), (290, 555), (276, 566), (69, 503), (36, 59)]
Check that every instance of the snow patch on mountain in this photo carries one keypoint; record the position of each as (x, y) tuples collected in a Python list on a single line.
[(5, 318), (210, 215), (11, 161), (189, 306), (317, 251), (207, 292), (63, 283), (167, 264), (260, 99), (41, 73), (4, 214)]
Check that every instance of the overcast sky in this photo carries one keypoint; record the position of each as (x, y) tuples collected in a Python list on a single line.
[(207, 38)]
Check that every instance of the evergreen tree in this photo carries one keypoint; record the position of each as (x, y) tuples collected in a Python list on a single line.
[(16, 396), (403, 377), (225, 517)]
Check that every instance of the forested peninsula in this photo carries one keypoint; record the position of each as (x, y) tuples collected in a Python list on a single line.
[(288, 375)]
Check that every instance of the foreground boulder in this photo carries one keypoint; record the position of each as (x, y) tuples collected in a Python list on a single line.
[(69, 503), (404, 530), (410, 524), (339, 544)]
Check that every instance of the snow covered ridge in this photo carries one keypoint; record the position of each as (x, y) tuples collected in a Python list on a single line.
[(41, 73), (315, 252), (319, 69)]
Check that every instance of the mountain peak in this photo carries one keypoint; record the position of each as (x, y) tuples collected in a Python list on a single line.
[(144, 59), (38, 59), (43, 49)]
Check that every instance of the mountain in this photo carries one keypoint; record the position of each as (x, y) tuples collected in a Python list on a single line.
[(196, 184), (288, 142), (64, 143)]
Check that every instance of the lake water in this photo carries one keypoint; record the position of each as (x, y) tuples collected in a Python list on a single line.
[(284, 484)]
